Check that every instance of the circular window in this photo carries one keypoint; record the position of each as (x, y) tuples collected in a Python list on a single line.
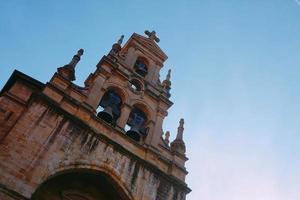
[(135, 85)]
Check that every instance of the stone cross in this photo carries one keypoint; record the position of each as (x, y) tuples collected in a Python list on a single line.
[(152, 35)]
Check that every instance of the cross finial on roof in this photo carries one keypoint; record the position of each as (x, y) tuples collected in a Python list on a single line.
[(152, 35)]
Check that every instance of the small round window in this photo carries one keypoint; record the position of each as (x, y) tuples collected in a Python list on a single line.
[(135, 85)]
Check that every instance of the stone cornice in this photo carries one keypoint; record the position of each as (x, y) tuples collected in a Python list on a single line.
[(29, 81)]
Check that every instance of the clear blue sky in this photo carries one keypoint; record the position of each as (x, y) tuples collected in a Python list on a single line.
[(235, 80)]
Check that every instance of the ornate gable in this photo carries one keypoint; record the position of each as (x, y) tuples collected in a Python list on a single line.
[(149, 44)]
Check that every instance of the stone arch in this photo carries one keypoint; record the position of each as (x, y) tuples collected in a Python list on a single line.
[(82, 183), (144, 107), (119, 89), (143, 58), (139, 121), (139, 54)]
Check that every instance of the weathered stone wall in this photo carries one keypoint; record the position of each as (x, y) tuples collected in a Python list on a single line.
[(45, 142), (11, 106)]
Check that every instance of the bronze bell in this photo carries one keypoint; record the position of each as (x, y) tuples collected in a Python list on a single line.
[(134, 133), (137, 132), (106, 114), (141, 71), (111, 103), (137, 121), (141, 68)]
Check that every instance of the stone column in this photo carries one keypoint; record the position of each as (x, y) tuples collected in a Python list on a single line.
[(151, 71), (130, 57), (150, 133), (157, 131), (125, 112), (155, 74), (96, 92)]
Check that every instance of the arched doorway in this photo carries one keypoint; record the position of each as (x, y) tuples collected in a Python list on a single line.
[(79, 185)]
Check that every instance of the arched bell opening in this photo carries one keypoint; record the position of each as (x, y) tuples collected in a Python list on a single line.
[(136, 124), (141, 66), (110, 107), (80, 185)]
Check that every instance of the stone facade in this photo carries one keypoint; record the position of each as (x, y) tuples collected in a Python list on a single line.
[(53, 145)]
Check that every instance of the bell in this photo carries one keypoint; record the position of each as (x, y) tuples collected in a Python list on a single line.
[(140, 68), (134, 133), (106, 114), (144, 131), (141, 71)]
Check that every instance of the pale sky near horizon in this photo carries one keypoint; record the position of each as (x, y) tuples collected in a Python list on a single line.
[(235, 78)]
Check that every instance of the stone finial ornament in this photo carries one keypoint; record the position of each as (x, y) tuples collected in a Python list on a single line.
[(178, 145), (76, 58), (167, 83), (120, 41), (180, 129), (116, 47), (68, 71), (167, 137), (152, 36), (168, 75)]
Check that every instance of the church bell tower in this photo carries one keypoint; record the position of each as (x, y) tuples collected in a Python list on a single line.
[(100, 141)]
